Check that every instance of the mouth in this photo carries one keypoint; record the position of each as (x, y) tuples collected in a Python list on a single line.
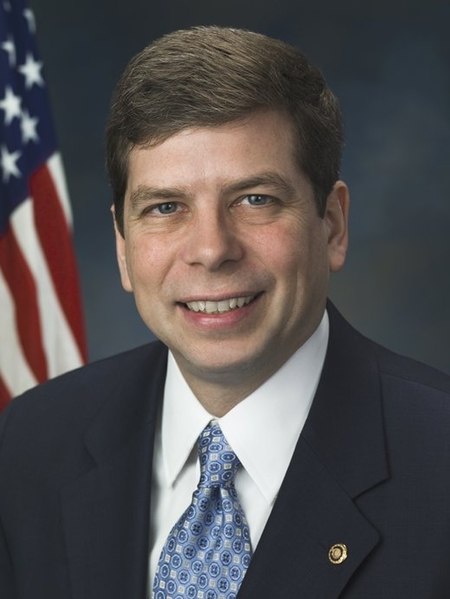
[(219, 306)]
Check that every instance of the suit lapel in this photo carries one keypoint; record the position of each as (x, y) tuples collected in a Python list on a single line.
[(340, 455), (291, 559), (106, 511)]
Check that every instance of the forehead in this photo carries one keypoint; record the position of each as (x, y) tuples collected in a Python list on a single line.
[(262, 142)]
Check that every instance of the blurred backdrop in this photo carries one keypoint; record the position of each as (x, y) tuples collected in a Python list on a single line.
[(389, 63)]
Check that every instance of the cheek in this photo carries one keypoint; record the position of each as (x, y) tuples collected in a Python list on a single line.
[(300, 259), (147, 264), (284, 251)]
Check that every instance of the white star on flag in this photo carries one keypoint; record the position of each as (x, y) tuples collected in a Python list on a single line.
[(28, 14), (9, 47), (31, 70), (11, 105), (28, 126), (8, 163)]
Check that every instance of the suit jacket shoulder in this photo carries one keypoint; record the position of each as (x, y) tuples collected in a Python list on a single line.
[(75, 475), (71, 400), (370, 471)]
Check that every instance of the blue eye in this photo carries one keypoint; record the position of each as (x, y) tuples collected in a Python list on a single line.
[(258, 200), (166, 208)]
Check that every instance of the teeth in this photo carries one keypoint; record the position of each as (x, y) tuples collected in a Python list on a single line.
[(209, 307)]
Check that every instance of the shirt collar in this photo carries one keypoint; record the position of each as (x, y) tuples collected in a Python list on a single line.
[(183, 419), (263, 429)]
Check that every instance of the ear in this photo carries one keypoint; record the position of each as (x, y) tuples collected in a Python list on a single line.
[(336, 218), (121, 253)]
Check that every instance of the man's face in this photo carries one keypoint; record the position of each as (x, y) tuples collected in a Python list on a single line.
[(224, 250)]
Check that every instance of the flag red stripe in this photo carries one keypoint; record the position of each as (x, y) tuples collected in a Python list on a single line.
[(5, 395), (55, 238), (23, 289)]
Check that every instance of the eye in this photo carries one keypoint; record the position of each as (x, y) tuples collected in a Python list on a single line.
[(257, 200), (165, 208)]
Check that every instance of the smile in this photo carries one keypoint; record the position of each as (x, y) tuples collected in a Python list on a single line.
[(221, 306)]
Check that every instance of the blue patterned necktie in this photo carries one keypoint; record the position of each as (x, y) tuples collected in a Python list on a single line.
[(208, 550)]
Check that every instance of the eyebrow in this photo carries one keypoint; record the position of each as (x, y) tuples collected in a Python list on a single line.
[(146, 193), (268, 179)]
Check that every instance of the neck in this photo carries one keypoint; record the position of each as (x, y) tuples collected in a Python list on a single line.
[(216, 399), (220, 390), (221, 393)]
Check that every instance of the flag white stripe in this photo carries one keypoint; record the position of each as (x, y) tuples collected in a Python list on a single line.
[(14, 367), (60, 347), (56, 168)]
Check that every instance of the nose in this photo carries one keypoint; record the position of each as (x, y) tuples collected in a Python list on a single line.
[(212, 241)]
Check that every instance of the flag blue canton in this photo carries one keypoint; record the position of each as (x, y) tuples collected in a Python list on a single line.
[(27, 139)]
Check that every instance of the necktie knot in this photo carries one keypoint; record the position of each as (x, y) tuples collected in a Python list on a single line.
[(218, 462)]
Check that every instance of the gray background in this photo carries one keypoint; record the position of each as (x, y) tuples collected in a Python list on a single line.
[(389, 62)]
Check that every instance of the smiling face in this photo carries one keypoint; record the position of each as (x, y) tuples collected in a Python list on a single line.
[(225, 252)]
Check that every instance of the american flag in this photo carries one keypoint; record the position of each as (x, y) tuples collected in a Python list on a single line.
[(41, 326)]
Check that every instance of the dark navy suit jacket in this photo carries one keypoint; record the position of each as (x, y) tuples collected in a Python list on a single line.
[(371, 470)]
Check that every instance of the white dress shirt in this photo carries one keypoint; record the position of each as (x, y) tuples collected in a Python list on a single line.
[(263, 430)]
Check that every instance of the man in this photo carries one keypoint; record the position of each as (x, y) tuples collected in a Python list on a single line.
[(324, 457)]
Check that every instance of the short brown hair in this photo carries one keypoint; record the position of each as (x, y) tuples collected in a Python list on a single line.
[(208, 76)]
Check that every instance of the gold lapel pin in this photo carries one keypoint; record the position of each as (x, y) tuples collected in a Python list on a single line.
[(338, 553)]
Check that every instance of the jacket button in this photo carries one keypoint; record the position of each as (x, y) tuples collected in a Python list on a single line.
[(338, 553)]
